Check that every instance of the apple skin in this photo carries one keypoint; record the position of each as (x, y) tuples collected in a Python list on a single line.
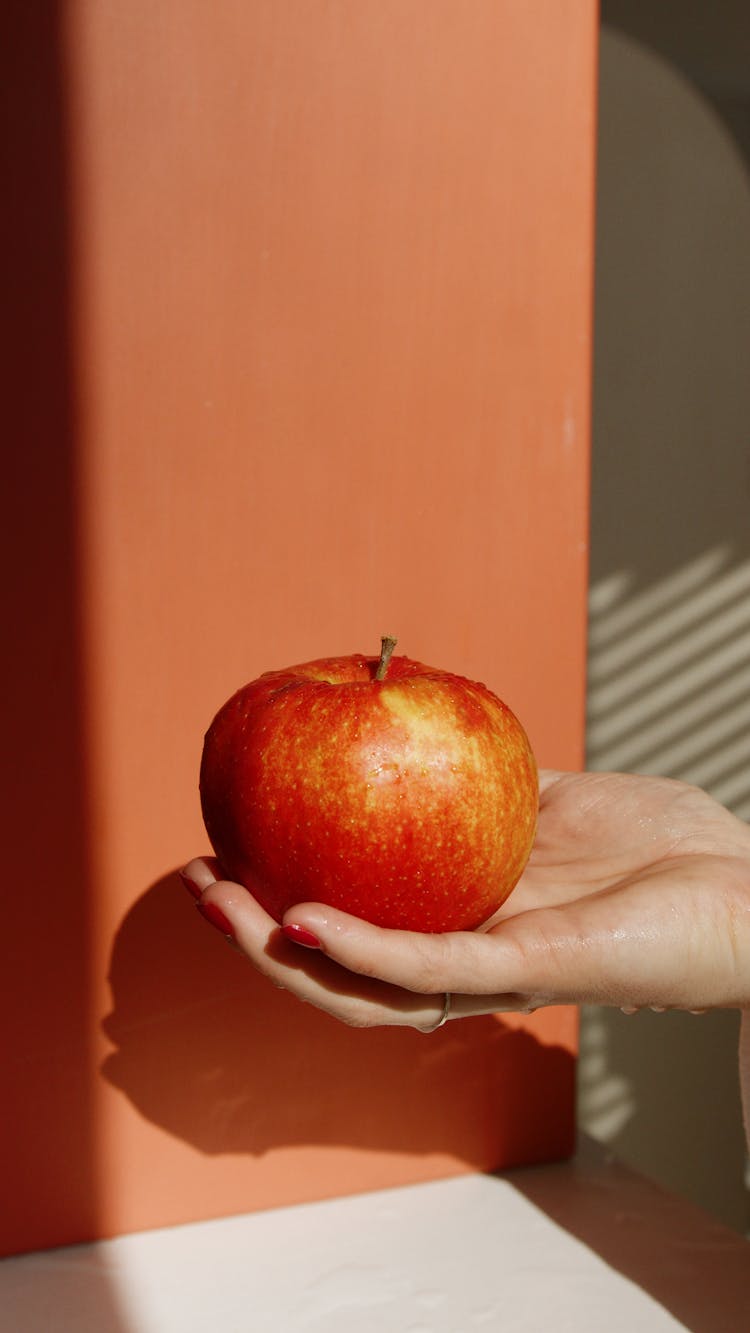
[(409, 801)]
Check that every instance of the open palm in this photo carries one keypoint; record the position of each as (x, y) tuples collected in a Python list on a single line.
[(637, 893), (638, 890)]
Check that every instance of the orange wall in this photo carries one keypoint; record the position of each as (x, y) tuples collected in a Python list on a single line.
[(308, 361)]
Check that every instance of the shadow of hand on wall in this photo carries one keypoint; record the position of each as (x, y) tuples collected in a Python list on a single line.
[(211, 1051)]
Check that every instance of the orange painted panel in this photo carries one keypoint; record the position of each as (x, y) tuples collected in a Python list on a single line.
[(313, 338)]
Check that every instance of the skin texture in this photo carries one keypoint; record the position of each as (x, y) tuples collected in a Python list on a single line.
[(637, 894)]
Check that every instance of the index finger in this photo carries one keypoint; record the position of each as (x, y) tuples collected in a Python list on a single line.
[(472, 963)]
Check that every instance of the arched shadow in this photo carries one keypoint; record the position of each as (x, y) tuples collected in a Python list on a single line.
[(709, 45), (670, 541), (209, 1050), (670, 466)]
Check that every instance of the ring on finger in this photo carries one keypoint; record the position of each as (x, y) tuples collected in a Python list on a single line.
[(444, 1016)]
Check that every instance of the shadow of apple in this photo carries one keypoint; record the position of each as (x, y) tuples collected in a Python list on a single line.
[(211, 1051)]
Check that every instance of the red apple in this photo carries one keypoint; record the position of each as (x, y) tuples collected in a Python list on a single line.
[(397, 792)]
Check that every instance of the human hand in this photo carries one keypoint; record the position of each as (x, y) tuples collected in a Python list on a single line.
[(637, 893)]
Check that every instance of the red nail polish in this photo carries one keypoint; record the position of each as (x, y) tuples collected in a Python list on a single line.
[(190, 885), (301, 935), (217, 918)]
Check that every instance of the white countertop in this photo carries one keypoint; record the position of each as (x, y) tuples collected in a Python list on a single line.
[(475, 1253)]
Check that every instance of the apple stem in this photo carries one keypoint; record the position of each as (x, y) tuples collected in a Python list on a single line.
[(387, 645)]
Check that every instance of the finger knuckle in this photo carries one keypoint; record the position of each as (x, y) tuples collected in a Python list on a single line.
[(356, 1018), (435, 957)]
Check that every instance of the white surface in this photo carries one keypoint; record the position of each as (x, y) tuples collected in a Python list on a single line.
[(446, 1257)]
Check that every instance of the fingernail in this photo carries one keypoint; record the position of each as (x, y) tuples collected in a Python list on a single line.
[(301, 935), (190, 885), (217, 918)]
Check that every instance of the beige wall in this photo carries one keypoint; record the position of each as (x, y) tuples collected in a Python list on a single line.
[(669, 661)]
